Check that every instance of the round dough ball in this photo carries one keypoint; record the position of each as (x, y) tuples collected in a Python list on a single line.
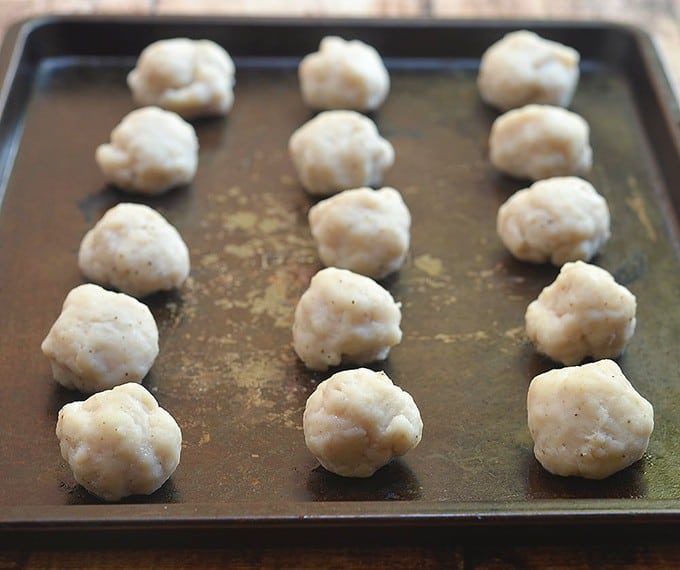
[(337, 150), (540, 141), (119, 442), (151, 151), (587, 421), (357, 421), (525, 68), (366, 231), (583, 313), (344, 317), (100, 340), (193, 78), (134, 249), (557, 220), (344, 75)]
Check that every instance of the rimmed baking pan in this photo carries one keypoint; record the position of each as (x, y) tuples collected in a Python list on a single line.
[(227, 370)]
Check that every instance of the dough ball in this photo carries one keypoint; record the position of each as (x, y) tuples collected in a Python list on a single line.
[(525, 68), (100, 340), (540, 141), (583, 313), (588, 421), (119, 442), (134, 249), (345, 317), (344, 75), (337, 150), (357, 421), (151, 151), (557, 220), (366, 231), (193, 78)]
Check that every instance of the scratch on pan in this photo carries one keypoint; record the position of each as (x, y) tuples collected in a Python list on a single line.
[(456, 337), (636, 203)]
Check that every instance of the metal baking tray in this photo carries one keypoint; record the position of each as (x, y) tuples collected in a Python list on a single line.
[(227, 370)]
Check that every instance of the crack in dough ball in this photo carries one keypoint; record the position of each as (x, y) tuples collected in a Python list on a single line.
[(366, 231), (151, 151), (525, 68), (357, 421), (583, 313), (193, 78), (134, 249), (119, 442), (540, 141), (588, 421), (337, 150), (344, 318), (100, 340), (344, 75), (558, 220)]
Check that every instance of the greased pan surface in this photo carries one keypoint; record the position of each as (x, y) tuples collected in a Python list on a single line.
[(227, 370)]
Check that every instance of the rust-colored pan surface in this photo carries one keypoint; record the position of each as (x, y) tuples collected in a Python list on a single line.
[(227, 370)]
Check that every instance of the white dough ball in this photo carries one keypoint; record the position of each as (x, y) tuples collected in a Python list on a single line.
[(337, 150), (343, 75), (583, 313), (558, 220), (366, 231), (525, 68), (134, 249), (119, 442), (540, 141), (588, 421), (193, 78), (100, 340), (357, 421), (345, 317), (151, 151)]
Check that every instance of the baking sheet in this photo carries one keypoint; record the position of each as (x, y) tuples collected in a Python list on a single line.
[(226, 368)]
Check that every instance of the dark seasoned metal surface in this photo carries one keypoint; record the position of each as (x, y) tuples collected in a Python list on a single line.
[(227, 370)]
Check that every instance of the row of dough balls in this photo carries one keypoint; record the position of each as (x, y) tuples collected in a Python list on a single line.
[(154, 149), (341, 148), (530, 79), (356, 421), (195, 78), (118, 442), (102, 339), (587, 420), (560, 218)]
